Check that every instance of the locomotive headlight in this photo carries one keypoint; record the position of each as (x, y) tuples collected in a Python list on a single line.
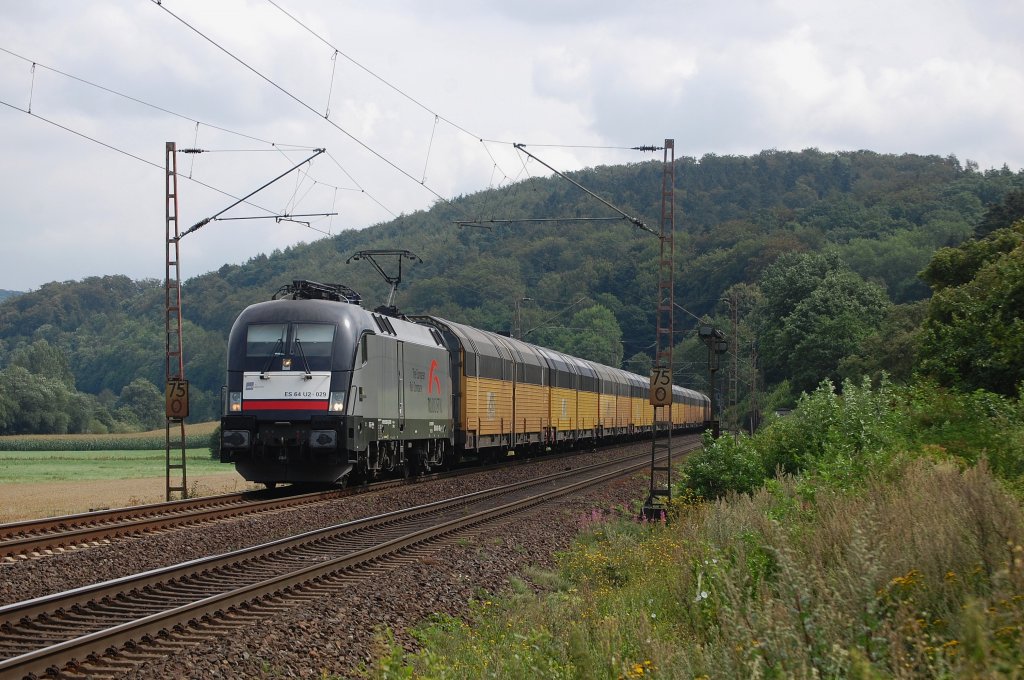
[(234, 402), (286, 364), (337, 401)]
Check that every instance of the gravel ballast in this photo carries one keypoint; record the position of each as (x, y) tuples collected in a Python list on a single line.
[(336, 633)]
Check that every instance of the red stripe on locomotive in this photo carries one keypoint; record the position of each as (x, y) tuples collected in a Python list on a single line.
[(284, 405)]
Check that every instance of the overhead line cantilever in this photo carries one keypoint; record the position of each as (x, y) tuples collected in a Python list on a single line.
[(637, 222)]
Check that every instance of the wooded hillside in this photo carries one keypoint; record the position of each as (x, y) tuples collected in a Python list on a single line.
[(591, 285)]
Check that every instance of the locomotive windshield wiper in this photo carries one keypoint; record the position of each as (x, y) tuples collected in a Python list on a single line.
[(270, 359), (305, 364)]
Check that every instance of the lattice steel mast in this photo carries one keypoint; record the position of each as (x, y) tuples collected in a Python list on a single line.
[(174, 360), (661, 473)]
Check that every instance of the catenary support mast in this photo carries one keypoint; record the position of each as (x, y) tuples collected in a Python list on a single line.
[(661, 473), (175, 363)]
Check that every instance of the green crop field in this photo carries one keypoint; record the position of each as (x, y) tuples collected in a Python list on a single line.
[(50, 466)]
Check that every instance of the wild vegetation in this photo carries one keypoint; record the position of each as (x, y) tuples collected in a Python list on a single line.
[(871, 221), (869, 534)]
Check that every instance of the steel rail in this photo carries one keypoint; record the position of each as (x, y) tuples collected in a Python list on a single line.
[(26, 620), (75, 530), (39, 537)]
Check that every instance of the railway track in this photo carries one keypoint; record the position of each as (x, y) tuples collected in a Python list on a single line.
[(36, 538), (159, 611), (32, 539)]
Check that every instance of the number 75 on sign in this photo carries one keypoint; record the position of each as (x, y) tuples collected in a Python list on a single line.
[(177, 399), (661, 386)]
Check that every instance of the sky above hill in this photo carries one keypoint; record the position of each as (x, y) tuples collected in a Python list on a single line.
[(420, 102)]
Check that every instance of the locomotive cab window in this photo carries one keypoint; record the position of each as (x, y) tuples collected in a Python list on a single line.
[(266, 339), (315, 339)]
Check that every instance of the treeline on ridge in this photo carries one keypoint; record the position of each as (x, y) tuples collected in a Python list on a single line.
[(820, 252)]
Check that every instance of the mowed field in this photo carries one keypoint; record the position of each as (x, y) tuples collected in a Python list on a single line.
[(49, 483)]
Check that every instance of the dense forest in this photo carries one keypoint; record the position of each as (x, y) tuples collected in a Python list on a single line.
[(818, 253)]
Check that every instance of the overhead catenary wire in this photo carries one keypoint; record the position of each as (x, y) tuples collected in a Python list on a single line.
[(369, 72), (360, 188), (278, 147), (484, 141), (330, 90), (282, 218), (299, 101), (148, 104), (430, 145), (270, 213), (32, 87), (207, 220), (632, 219)]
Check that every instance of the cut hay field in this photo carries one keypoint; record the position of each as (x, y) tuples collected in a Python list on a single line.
[(41, 483)]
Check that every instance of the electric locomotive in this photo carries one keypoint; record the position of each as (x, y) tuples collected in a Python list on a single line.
[(319, 388)]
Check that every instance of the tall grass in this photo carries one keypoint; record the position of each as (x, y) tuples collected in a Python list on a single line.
[(887, 583), (873, 533)]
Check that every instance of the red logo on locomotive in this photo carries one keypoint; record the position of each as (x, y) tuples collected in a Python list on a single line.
[(433, 379)]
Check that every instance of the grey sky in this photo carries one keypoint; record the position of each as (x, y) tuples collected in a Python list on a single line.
[(937, 77)]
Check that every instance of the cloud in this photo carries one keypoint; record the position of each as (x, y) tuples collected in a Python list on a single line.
[(731, 78)]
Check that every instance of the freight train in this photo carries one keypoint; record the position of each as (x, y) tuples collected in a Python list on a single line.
[(322, 391)]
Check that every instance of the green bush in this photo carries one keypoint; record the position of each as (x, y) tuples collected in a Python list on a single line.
[(841, 437), (970, 426), (725, 465), (214, 443)]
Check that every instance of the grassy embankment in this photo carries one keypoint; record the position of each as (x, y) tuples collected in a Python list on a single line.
[(892, 546)]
